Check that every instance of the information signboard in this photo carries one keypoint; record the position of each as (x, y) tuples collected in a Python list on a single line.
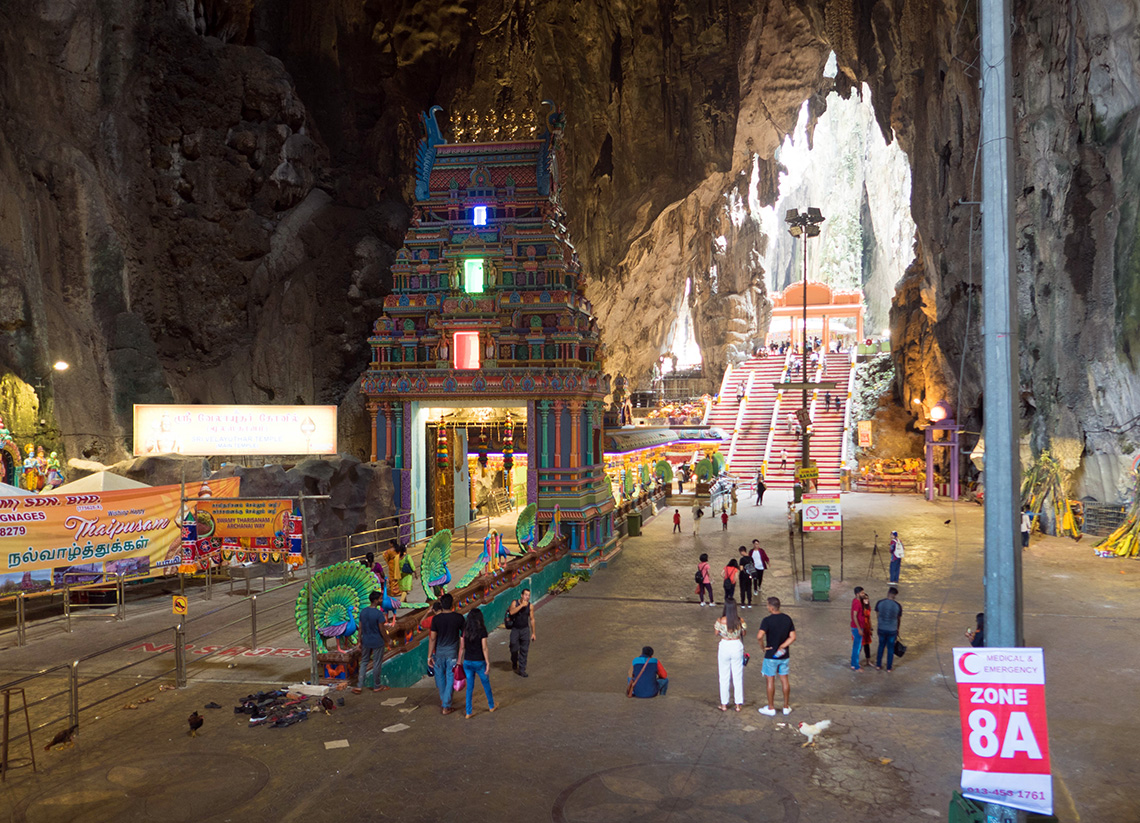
[(822, 512), (1005, 735), (235, 430), (864, 434)]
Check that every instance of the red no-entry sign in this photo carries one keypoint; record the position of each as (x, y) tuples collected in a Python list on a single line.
[(1005, 735)]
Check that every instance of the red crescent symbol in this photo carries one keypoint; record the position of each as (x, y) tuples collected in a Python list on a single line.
[(962, 664)]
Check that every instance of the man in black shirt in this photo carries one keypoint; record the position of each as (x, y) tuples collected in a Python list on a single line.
[(443, 649), (777, 633), (522, 631)]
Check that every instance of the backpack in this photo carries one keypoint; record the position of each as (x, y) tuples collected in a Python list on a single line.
[(509, 619), (699, 577), (748, 566)]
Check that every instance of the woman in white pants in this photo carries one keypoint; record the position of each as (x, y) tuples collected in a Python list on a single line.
[(730, 656)]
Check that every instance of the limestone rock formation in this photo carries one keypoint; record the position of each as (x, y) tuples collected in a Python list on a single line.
[(199, 199)]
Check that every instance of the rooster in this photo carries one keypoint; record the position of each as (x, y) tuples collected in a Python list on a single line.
[(810, 730), (195, 720)]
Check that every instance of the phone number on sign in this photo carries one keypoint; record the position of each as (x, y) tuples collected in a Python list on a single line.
[(12, 531), (1023, 795)]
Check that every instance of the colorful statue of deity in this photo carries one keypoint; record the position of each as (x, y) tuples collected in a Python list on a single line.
[(32, 477), (54, 471), (5, 435)]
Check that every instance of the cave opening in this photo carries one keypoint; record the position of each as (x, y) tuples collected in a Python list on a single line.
[(842, 163), (680, 361)]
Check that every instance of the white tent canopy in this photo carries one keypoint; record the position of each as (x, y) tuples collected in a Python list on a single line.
[(99, 482), (13, 491)]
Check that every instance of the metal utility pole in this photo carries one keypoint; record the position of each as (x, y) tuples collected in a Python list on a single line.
[(1003, 470), (804, 225)]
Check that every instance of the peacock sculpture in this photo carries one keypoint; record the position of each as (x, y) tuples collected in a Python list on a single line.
[(663, 471), (553, 531), (524, 527), (433, 566), (339, 591), (425, 152)]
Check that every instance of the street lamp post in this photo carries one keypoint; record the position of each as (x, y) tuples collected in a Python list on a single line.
[(804, 225)]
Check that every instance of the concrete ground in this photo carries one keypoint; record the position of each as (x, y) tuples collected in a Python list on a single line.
[(567, 746)]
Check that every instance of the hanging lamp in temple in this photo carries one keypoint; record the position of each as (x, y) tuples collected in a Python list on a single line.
[(508, 444)]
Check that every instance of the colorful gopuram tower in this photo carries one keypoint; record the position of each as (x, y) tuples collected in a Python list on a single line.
[(487, 312)]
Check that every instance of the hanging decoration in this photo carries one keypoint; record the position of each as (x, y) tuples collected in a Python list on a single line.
[(508, 444), (441, 459), (482, 450)]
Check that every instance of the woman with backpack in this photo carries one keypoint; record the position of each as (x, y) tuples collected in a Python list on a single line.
[(473, 657), (731, 573), (704, 580), (730, 654)]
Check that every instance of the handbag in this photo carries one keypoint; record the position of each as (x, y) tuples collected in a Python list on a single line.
[(900, 649), (460, 681), (747, 657)]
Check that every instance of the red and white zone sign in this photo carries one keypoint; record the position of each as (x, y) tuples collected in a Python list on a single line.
[(1005, 735)]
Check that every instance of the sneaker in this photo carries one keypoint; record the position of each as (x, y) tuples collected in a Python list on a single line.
[(767, 711), (787, 709)]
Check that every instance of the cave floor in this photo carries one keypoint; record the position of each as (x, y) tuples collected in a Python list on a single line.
[(567, 746)]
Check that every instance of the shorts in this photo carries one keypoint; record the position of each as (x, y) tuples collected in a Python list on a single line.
[(773, 667)]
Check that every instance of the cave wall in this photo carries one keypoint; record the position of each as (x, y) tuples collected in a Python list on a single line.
[(199, 199)]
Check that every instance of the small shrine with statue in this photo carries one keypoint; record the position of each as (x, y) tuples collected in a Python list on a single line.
[(487, 340), (34, 470)]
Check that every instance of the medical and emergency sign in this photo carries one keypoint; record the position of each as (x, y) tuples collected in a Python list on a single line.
[(1005, 735)]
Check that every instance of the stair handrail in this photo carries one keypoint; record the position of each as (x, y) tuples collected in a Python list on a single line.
[(736, 429), (845, 448), (723, 385), (772, 424)]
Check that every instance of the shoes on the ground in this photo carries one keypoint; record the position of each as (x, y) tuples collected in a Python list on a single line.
[(213, 705), (787, 709), (767, 711), (523, 674)]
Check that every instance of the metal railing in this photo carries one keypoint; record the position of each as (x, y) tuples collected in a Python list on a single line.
[(68, 700)]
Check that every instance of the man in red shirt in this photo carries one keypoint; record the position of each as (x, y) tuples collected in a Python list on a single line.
[(676, 520), (858, 626)]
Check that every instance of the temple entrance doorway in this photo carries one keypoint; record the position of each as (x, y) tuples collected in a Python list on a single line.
[(477, 463)]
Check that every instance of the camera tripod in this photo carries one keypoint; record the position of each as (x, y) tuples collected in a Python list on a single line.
[(875, 556)]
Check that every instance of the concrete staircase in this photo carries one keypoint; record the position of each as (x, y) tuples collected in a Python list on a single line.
[(746, 454), (724, 409), (760, 428)]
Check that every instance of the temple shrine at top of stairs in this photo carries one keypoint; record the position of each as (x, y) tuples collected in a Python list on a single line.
[(487, 310)]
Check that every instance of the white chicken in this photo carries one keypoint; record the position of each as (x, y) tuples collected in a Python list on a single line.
[(810, 730)]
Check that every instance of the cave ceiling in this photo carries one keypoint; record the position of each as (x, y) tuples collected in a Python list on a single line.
[(200, 199)]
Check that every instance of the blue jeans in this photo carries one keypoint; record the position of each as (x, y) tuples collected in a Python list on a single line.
[(662, 685), (472, 668), (896, 564), (445, 659), (856, 642), (377, 659), (887, 640)]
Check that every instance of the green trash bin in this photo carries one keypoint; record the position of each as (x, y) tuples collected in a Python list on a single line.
[(964, 810), (821, 582), (633, 524)]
